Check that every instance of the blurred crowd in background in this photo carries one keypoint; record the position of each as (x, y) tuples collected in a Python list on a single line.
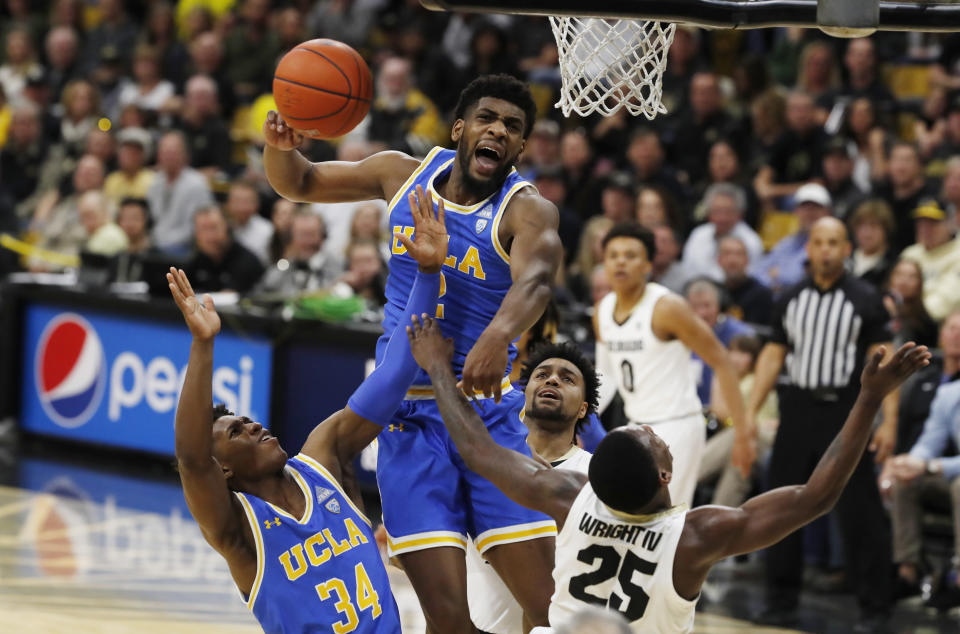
[(130, 139)]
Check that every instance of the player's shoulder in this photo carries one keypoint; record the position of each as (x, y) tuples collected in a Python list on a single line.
[(394, 161), (528, 209)]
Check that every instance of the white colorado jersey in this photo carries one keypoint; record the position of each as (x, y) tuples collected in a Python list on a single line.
[(492, 606), (654, 377), (621, 562)]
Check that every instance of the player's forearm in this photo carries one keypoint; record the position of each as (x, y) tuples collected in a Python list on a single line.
[(829, 478), (523, 305), (730, 392), (287, 172), (192, 440)]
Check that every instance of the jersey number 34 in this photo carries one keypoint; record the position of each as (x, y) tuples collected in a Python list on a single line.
[(612, 564)]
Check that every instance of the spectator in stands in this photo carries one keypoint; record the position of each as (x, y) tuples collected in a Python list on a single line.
[(251, 49), (206, 58), (62, 46), (749, 300), (863, 80), (725, 206), (81, 110), (617, 198), (705, 300), (133, 217), (132, 179), (838, 165), (23, 154), (104, 237), (785, 264), (909, 319), (931, 469), (732, 488), (220, 263), (305, 265), (903, 189), (588, 257), (768, 119), (20, 61), (542, 150), (656, 207), (666, 268), (723, 166), (582, 172), (248, 227), (871, 226), (951, 186), (176, 193), (937, 252), (683, 61), (56, 221), (872, 143), (349, 21), (115, 33), (599, 285), (367, 224), (551, 185), (204, 128), (946, 141), (401, 116), (701, 125), (147, 89), (364, 276), (646, 161), (107, 78), (797, 156), (817, 72), (161, 33), (281, 217)]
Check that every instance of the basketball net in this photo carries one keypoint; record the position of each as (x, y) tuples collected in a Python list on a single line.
[(606, 65)]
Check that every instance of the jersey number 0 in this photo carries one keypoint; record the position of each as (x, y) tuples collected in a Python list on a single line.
[(612, 564)]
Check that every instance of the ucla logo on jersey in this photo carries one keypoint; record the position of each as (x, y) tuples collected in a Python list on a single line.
[(322, 493), (319, 548), (481, 225), (333, 506), (486, 212)]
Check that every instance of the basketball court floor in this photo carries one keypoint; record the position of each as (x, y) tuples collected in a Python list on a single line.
[(108, 546)]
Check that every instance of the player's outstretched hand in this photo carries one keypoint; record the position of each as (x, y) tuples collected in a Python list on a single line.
[(278, 134), (878, 379), (427, 343), (429, 244), (201, 317)]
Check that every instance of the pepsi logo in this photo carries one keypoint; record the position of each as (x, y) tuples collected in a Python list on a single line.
[(70, 370)]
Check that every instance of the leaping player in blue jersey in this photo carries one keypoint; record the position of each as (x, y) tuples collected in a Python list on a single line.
[(300, 550), (503, 256)]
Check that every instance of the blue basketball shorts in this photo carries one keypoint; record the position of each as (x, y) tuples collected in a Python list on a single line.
[(429, 497)]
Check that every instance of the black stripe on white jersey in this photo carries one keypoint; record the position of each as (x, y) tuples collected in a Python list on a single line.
[(824, 328)]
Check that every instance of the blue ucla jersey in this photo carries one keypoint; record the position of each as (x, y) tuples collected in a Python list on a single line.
[(476, 274), (321, 573)]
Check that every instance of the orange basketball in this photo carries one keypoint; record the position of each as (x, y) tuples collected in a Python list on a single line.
[(323, 88)]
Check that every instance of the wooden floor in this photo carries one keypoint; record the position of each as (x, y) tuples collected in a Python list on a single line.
[(75, 560)]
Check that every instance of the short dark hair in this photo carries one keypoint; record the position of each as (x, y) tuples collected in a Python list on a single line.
[(623, 473), (636, 231), (220, 410), (139, 202), (502, 86), (573, 354)]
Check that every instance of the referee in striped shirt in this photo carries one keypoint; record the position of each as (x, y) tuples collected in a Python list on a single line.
[(823, 330)]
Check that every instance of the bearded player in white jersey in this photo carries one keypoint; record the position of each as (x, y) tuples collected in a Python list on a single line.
[(645, 334), (622, 543), (560, 389)]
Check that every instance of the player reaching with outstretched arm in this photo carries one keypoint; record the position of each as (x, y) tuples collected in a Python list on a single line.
[(503, 256), (622, 543), (300, 551)]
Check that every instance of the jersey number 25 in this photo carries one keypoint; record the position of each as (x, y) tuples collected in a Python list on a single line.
[(612, 564)]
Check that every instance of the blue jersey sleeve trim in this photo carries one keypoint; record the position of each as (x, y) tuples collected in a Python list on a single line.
[(251, 516)]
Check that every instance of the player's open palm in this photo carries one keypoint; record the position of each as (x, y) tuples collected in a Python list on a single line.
[(278, 134), (201, 317), (429, 243), (427, 343), (879, 379)]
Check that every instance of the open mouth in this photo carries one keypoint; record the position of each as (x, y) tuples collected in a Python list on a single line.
[(548, 394), (267, 437), (488, 158)]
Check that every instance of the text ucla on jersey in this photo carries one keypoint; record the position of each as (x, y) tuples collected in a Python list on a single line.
[(476, 273), (322, 572)]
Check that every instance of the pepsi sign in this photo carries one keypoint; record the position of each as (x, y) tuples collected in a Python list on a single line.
[(114, 380)]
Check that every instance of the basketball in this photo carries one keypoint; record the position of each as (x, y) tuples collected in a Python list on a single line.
[(323, 88)]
